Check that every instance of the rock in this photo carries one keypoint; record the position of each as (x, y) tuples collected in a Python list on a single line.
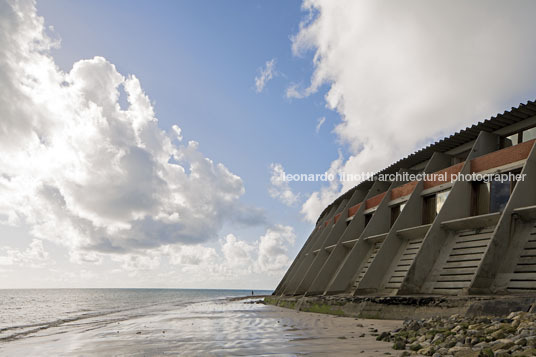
[(399, 345), (415, 347), (450, 344), (521, 342), (497, 335), (384, 336), (457, 328), (457, 349), (486, 352), (482, 345), (428, 351), (503, 344), (502, 353)]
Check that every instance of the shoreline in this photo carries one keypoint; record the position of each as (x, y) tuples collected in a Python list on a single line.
[(407, 307), (230, 326)]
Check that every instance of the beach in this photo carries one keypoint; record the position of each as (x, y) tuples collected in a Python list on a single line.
[(218, 327)]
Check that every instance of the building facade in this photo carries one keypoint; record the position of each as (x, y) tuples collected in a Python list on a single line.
[(475, 234)]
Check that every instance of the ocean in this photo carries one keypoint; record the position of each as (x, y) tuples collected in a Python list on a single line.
[(25, 311), (173, 322)]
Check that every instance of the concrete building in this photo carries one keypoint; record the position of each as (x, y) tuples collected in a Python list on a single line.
[(433, 235)]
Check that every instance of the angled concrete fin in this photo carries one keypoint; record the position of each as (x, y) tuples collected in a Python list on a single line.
[(457, 205), (308, 257), (507, 259), (344, 274), (334, 246), (285, 289), (384, 269), (322, 254)]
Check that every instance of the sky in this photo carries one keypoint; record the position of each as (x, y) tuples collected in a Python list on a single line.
[(142, 143)]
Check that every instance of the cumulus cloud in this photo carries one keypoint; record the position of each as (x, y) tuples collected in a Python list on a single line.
[(279, 187), (81, 171), (265, 75), (319, 124), (267, 255), (272, 251), (318, 200), (138, 262), (402, 74), (33, 256)]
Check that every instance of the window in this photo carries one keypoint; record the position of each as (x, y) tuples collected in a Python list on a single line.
[(440, 200), (368, 217), (432, 205), (519, 137), (512, 140), (491, 197), (395, 212), (499, 195), (429, 209), (528, 134)]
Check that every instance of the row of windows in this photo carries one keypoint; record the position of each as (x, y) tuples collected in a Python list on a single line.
[(519, 137), (486, 197)]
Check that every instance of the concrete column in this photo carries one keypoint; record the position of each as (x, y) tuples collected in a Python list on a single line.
[(507, 241), (411, 216), (305, 249), (307, 259), (337, 254), (343, 276), (292, 266), (457, 205), (322, 255)]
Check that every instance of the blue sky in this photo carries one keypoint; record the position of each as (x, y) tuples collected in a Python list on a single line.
[(197, 61), (98, 195)]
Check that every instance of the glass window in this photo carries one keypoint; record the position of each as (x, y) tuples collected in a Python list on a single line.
[(514, 138), (429, 209), (510, 140), (529, 134), (499, 195), (440, 200), (432, 205), (395, 212), (368, 217)]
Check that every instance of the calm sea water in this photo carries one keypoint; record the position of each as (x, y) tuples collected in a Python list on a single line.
[(24, 311)]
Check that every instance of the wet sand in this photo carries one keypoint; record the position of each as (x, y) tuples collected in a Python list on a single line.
[(217, 328)]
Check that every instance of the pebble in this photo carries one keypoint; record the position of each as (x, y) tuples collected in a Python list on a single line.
[(466, 336)]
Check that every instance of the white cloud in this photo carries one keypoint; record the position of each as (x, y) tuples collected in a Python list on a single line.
[(237, 253), (402, 74), (84, 173), (272, 251), (138, 262), (318, 200), (191, 255), (265, 75), (279, 187), (267, 255), (33, 256), (319, 123)]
